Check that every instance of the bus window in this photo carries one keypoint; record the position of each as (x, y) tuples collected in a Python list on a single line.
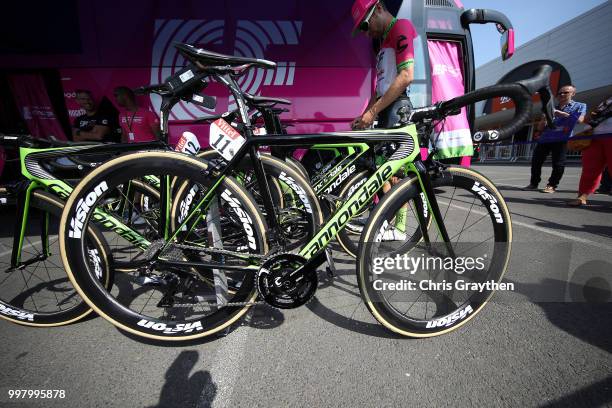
[(419, 89)]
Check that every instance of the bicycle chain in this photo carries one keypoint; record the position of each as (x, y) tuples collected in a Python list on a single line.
[(168, 252), (260, 302)]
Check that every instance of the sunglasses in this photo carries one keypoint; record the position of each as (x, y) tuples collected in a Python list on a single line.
[(364, 26), (563, 93)]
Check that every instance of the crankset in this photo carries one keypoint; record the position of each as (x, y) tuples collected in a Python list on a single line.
[(284, 283)]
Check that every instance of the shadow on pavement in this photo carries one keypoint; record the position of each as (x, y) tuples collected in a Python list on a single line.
[(183, 389), (501, 186), (587, 312), (601, 230), (340, 320), (559, 202), (589, 322), (598, 394), (264, 317)]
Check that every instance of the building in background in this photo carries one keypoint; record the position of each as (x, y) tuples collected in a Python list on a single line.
[(580, 52)]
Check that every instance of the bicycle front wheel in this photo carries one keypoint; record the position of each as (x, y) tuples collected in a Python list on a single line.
[(185, 283), (38, 292), (435, 287)]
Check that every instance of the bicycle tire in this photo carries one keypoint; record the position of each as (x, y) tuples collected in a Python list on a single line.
[(116, 310), (349, 237), (300, 213), (472, 185), (297, 165), (69, 307)]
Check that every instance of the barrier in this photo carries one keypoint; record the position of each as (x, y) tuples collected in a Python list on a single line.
[(522, 151)]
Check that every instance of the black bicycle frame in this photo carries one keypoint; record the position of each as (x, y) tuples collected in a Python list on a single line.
[(305, 140)]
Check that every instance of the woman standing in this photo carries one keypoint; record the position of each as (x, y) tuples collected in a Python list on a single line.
[(598, 154)]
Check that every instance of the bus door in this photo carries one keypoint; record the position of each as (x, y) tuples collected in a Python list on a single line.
[(444, 63)]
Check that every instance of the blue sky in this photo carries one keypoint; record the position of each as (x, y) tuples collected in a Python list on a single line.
[(530, 18)]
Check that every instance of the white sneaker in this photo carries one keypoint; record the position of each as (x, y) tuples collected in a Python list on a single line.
[(393, 234)]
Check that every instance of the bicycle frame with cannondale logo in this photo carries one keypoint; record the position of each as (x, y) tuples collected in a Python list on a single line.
[(340, 168), (407, 157)]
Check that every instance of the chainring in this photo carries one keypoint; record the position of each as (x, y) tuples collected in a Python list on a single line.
[(283, 283)]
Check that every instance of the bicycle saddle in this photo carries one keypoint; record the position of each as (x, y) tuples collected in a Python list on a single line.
[(263, 101), (209, 58)]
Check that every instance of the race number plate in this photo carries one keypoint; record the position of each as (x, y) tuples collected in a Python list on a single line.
[(225, 139), (188, 143)]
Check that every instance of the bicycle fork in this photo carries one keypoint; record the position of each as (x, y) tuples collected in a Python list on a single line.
[(427, 188), (24, 195)]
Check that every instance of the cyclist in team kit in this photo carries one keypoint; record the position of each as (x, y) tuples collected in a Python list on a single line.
[(394, 62), (394, 73)]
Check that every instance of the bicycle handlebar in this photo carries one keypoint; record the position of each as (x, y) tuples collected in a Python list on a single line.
[(516, 92), (539, 80), (520, 93), (540, 83)]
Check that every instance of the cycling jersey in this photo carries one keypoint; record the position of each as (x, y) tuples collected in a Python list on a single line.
[(396, 53), (87, 122)]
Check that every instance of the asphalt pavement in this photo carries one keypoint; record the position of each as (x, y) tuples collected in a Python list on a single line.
[(540, 346)]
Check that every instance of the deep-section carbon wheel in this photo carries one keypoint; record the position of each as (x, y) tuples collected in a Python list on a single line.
[(38, 292), (429, 289), (188, 282)]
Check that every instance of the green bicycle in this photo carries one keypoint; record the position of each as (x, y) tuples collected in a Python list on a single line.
[(205, 273)]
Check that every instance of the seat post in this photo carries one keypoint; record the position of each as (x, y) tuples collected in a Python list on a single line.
[(164, 112)]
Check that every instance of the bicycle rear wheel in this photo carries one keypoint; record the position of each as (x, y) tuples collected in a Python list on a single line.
[(39, 293), (298, 211), (193, 281), (417, 295)]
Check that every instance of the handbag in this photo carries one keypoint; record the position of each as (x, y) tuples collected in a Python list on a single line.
[(580, 141), (578, 145)]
